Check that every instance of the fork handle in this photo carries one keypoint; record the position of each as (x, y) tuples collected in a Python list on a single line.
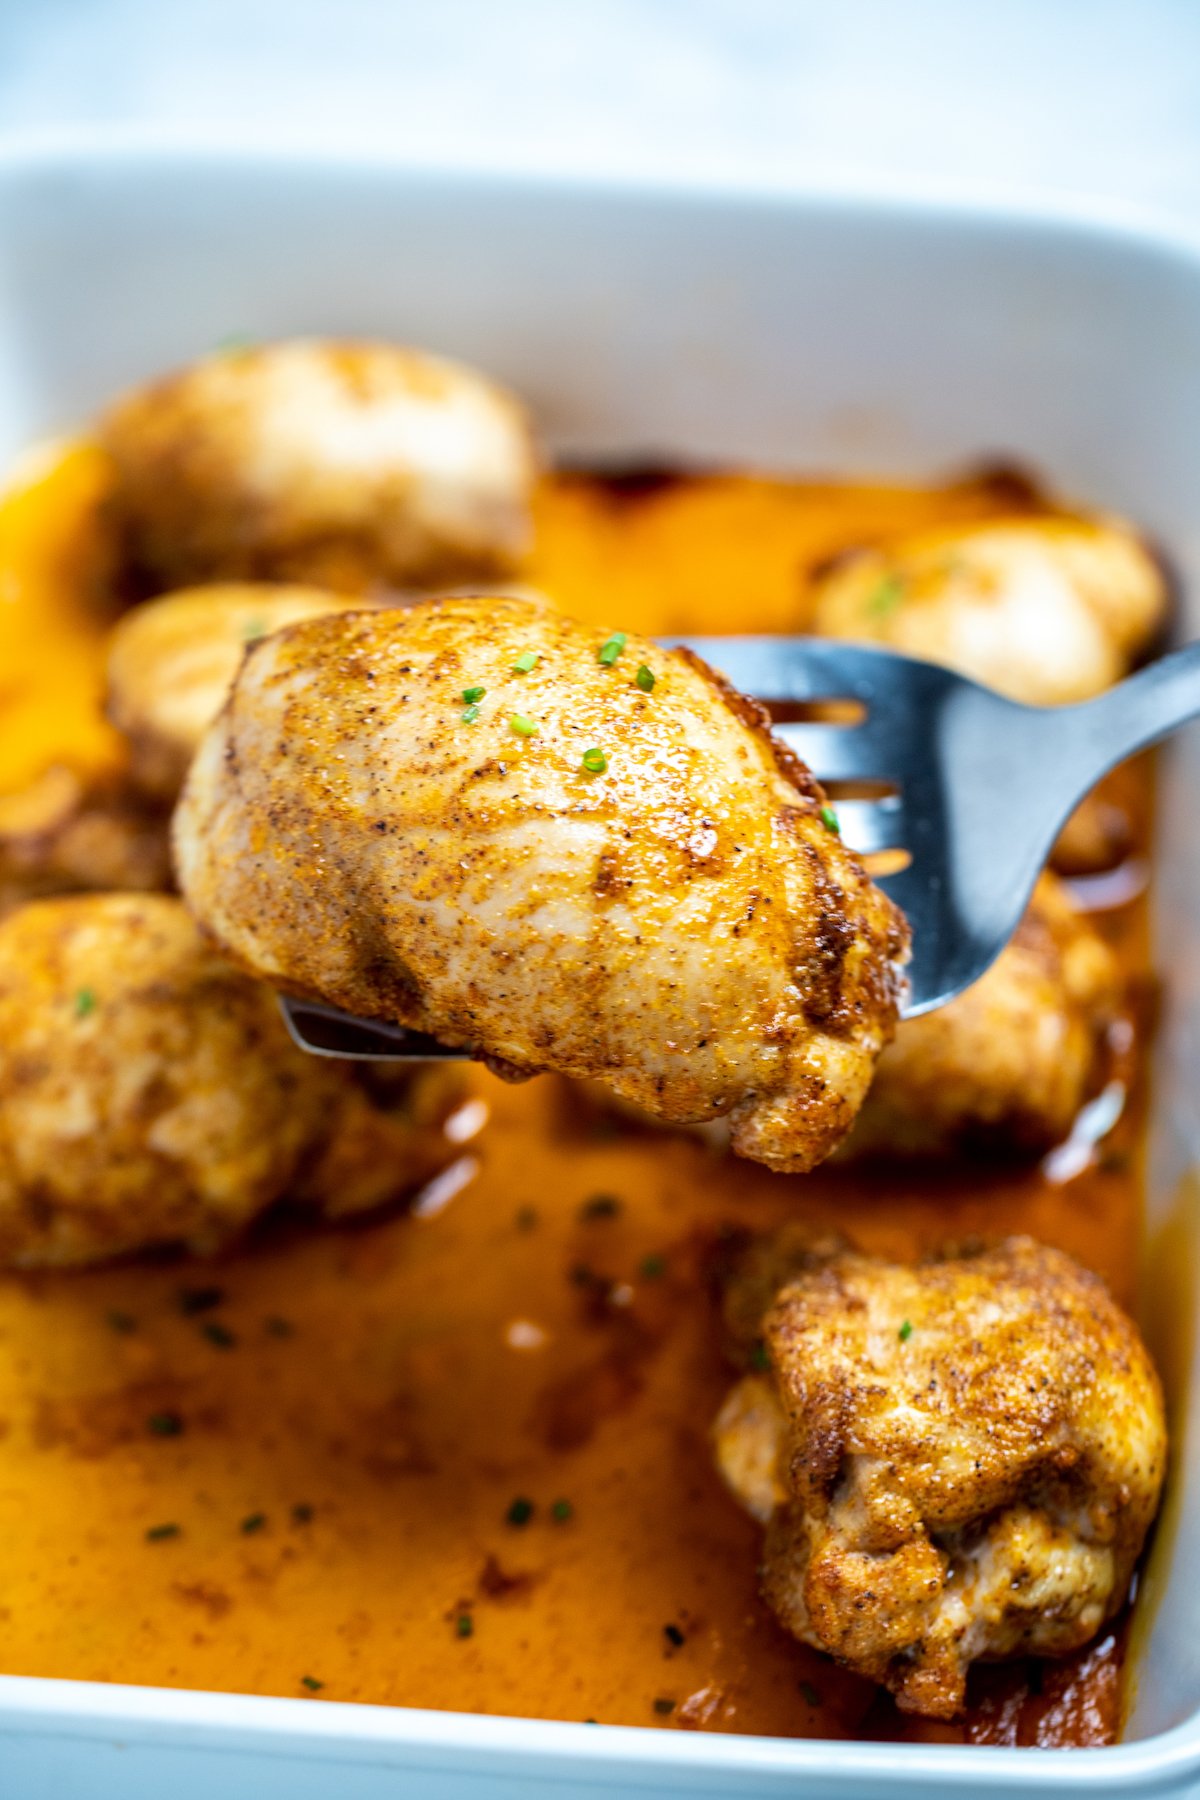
[(1137, 712)]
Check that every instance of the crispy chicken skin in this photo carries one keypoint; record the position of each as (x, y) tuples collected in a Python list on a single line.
[(1047, 610), (171, 662), (1006, 1065), (954, 1462), (150, 1094), (679, 925), (348, 465)]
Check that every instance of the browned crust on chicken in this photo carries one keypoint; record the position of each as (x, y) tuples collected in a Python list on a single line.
[(954, 1461), (680, 925)]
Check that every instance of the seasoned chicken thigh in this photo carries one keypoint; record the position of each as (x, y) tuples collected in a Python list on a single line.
[(1047, 610), (150, 1094), (481, 819), (1008, 1064), (171, 662), (348, 465), (954, 1462)]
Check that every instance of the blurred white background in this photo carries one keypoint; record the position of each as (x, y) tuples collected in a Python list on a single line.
[(1076, 99)]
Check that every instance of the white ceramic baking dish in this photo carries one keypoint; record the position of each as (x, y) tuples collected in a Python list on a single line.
[(807, 332)]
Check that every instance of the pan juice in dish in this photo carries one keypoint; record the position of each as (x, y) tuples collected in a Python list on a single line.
[(460, 1457)]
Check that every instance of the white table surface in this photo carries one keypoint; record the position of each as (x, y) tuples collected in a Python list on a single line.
[(1080, 100)]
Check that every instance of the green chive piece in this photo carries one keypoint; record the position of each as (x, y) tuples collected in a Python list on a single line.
[(200, 1299), (664, 1706), (885, 597), (674, 1636), (595, 761), (760, 1356), (610, 651), (521, 1511), (302, 1512), (85, 1003), (645, 678), (525, 663), (561, 1511), (600, 1206), (905, 1331), (164, 1424), (470, 714), (156, 1533), (253, 1522), (653, 1267), (218, 1334), (830, 821), (809, 1693), (237, 340), (252, 630), (464, 1625), (311, 1683), (522, 726), (471, 694)]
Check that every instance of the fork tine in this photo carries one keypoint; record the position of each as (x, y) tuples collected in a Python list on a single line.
[(869, 825), (793, 668), (836, 752)]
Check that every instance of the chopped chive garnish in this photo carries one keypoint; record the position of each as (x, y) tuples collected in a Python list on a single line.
[(525, 663), (664, 1706), (645, 678), (199, 1300), (85, 1003), (472, 694), (253, 1522), (760, 1356), (237, 340), (610, 651), (809, 1693), (122, 1322), (218, 1334), (252, 630), (311, 1683), (673, 1635), (561, 1511), (885, 596), (464, 1625), (600, 1206), (521, 1511), (522, 726), (652, 1267), (905, 1331), (302, 1512), (595, 761), (164, 1424), (469, 714), (831, 821), (156, 1533)]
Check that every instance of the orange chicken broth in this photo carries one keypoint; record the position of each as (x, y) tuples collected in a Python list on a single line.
[(460, 1459)]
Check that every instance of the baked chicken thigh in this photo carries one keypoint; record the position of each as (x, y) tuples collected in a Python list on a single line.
[(480, 819), (953, 1462), (150, 1094), (1006, 1065), (1047, 610), (349, 465)]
